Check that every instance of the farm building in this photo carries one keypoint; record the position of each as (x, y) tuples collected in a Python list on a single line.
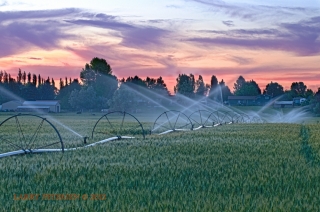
[(43, 106), (11, 105), (249, 100), (298, 100), (283, 104)]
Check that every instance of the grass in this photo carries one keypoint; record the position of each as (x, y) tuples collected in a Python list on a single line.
[(240, 167)]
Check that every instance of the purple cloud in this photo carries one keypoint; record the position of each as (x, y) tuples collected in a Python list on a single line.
[(254, 12), (37, 14), (300, 38), (17, 36), (106, 24), (228, 23), (133, 35)]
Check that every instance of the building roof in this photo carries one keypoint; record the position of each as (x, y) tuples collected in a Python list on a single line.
[(33, 107), (13, 101), (242, 97), (283, 102), (40, 103)]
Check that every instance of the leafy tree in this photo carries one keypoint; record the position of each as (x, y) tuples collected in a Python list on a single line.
[(34, 80), (98, 74), (185, 85), (94, 70), (273, 89), (225, 91), (65, 92), (248, 89), (239, 83), (123, 99), (19, 76), (46, 91), (200, 87), (298, 89), (86, 98), (316, 102), (30, 92), (214, 88), (157, 85)]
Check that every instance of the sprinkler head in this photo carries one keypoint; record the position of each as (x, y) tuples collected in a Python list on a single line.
[(85, 139)]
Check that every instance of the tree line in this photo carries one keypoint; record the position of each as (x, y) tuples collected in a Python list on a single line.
[(99, 88)]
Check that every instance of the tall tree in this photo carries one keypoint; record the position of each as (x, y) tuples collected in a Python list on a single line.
[(29, 78), (98, 74), (19, 77), (39, 80), (185, 85), (65, 92), (200, 87), (252, 82), (34, 80), (24, 77), (274, 89), (214, 88), (298, 88), (225, 91), (84, 99), (124, 99), (239, 83)]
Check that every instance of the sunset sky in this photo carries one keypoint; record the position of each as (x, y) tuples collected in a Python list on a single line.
[(275, 40)]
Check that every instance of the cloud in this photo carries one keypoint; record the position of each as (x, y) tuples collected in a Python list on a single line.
[(3, 3), (301, 38), (228, 23), (106, 24), (254, 12), (241, 60), (132, 35), (19, 36), (37, 14), (35, 58)]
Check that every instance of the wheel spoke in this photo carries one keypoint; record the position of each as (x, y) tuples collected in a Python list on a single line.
[(185, 125), (124, 114), (169, 121), (162, 125), (111, 124), (176, 121), (33, 139), (21, 135), (48, 145), (10, 143), (201, 118), (195, 121)]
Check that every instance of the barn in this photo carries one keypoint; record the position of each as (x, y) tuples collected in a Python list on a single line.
[(40, 106), (11, 105)]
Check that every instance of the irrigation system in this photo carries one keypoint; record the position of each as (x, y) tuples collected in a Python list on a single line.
[(29, 133)]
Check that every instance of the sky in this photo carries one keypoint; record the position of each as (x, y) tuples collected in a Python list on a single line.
[(275, 40)]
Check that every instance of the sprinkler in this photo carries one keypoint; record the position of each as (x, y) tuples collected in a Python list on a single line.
[(85, 139)]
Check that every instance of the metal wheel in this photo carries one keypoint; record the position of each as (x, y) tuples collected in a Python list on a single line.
[(202, 119), (118, 124), (27, 133), (170, 121)]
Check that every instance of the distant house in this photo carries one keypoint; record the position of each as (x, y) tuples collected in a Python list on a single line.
[(40, 106), (282, 104), (298, 100), (249, 100), (11, 105)]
